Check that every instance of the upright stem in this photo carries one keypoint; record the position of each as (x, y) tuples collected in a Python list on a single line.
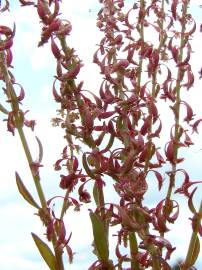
[(151, 248), (36, 178), (18, 120), (19, 125), (141, 32), (193, 240), (133, 251), (177, 105)]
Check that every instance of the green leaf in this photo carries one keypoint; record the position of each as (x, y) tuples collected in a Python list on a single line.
[(195, 252), (190, 201), (24, 192), (3, 110), (45, 252), (100, 237)]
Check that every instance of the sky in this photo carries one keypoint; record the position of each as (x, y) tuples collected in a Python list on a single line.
[(34, 69)]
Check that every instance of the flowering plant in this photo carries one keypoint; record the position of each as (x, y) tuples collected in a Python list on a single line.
[(114, 135)]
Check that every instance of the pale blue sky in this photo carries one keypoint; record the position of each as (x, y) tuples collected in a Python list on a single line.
[(34, 69)]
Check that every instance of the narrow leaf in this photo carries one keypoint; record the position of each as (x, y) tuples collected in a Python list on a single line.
[(195, 252), (190, 201), (100, 237), (3, 110), (45, 252), (24, 192)]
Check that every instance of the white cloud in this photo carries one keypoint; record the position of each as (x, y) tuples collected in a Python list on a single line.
[(18, 240)]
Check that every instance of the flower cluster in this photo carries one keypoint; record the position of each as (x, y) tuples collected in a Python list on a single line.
[(122, 126), (116, 132)]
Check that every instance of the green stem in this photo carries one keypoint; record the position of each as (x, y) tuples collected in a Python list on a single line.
[(177, 107), (19, 125), (18, 122), (151, 248), (141, 31), (36, 178), (153, 251), (154, 83), (133, 251), (89, 141), (132, 236), (193, 240)]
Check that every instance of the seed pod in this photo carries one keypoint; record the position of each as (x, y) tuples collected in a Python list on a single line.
[(9, 57), (104, 115), (169, 152), (55, 49), (72, 73), (57, 97), (43, 15)]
